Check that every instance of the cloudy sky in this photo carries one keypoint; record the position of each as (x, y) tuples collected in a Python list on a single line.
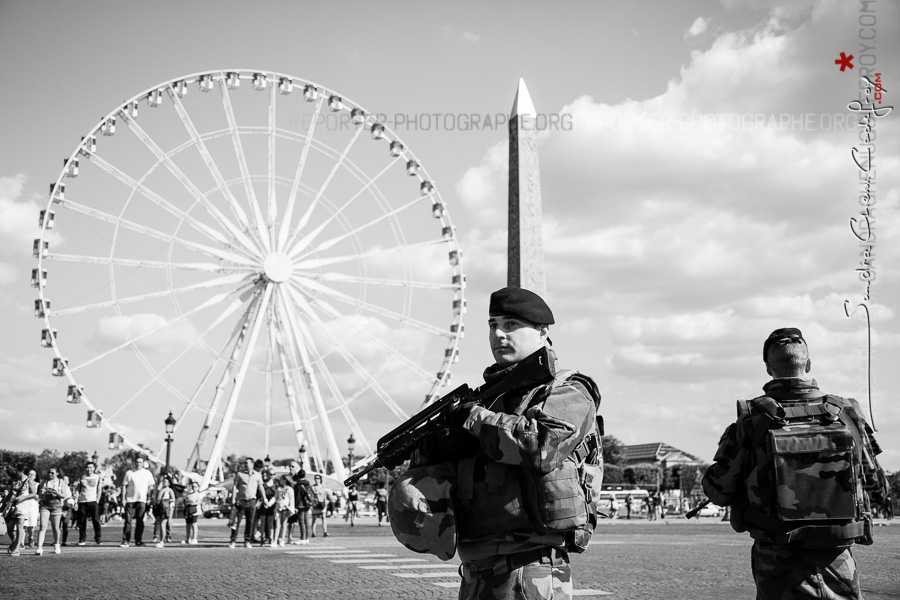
[(698, 193)]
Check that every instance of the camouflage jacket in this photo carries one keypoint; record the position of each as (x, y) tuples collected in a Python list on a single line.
[(735, 477), (530, 432), (533, 431)]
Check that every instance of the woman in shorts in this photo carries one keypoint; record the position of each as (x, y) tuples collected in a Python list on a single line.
[(320, 497), (192, 500), (284, 509), (164, 506), (52, 493), (352, 504)]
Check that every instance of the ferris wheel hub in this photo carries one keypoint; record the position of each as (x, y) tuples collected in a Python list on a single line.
[(278, 267)]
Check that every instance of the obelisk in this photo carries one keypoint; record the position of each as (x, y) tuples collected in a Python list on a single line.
[(525, 251)]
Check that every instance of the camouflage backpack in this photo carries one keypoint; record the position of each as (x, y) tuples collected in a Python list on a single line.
[(810, 482), (589, 458)]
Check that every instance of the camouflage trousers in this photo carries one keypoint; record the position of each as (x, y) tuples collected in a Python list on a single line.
[(784, 573), (543, 578)]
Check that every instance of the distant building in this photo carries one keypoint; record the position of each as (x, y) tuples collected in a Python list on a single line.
[(657, 453)]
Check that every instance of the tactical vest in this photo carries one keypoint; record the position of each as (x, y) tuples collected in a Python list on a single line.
[(495, 498), (808, 485)]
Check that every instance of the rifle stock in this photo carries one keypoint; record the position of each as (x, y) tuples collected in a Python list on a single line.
[(396, 446)]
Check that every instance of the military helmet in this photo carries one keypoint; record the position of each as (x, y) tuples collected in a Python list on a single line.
[(421, 512)]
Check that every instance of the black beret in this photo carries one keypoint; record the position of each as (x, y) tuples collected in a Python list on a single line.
[(782, 337), (522, 303)]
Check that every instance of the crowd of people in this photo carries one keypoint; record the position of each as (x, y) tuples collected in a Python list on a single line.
[(276, 510)]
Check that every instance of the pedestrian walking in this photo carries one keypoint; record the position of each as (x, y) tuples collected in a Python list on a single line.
[(352, 511), (31, 508), (320, 498), (16, 515), (303, 501), (88, 489), (245, 494), (381, 497), (52, 493), (136, 489)]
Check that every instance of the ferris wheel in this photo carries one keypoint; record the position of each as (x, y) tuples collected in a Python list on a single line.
[(259, 255)]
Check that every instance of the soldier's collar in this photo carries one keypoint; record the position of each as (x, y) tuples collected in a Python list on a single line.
[(792, 387)]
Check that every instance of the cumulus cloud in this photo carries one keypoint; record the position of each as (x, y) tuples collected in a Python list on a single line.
[(698, 27), (687, 225), (149, 332)]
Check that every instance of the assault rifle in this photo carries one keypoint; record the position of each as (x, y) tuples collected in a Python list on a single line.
[(395, 447)]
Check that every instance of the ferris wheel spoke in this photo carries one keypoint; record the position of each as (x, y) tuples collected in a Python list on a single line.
[(292, 198), (210, 163), (150, 264), (317, 263), (308, 239), (276, 339), (220, 281), (258, 220), (371, 382), (367, 306), (268, 376), (159, 235), (158, 200), (272, 208), (225, 425), (342, 278), (329, 310), (166, 160), (236, 341), (304, 220), (190, 404), (386, 215), (246, 245), (303, 346), (214, 301)]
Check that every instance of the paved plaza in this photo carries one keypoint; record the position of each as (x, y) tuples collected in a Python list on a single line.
[(635, 560)]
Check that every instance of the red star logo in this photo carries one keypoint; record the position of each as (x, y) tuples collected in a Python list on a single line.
[(844, 61)]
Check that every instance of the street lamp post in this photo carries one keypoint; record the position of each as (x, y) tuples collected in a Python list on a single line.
[(350, 442), (302, 452), (170, 429)]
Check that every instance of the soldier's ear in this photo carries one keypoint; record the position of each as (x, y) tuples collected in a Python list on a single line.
[(769, 370), (808, 365)]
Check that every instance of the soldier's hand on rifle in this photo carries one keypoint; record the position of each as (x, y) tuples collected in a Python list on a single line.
[(449, 444), (458, 415)]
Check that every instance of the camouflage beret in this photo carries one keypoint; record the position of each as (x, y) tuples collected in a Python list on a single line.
[(782, 337), (522, 303)]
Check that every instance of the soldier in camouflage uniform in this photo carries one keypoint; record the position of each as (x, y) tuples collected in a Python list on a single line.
[(739, 477), (504, 555)]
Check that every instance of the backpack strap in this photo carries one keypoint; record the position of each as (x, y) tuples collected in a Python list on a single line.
[(764, 413)]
